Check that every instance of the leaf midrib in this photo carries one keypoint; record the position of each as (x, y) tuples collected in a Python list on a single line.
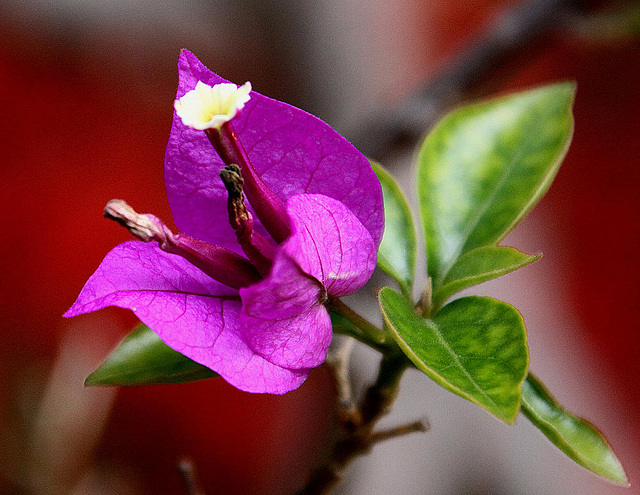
[(473, 224), (432, 324)]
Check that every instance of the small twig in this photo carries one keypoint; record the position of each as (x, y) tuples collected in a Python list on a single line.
[(338, 361), (187, 469), (421, 426)]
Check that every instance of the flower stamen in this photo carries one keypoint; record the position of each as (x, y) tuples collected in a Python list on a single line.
[(258, 249), (218, 262)]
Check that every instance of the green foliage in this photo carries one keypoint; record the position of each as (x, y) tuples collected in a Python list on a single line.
[(474, 347), (397, 252), (576, 437), (484, 166), (143, 359), (480, 265), (480, 171)]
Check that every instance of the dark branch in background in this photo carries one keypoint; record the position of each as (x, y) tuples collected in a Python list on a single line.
[(617, 25), (476, 71)]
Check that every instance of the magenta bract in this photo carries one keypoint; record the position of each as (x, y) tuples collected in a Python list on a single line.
[(265, 337)]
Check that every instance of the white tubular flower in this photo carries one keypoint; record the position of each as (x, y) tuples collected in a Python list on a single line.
[(207, 107)]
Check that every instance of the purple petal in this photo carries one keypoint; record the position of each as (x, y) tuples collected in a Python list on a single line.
[(329, 251), (283, 318), (293, 152), (330, 243), (192, 313), (140, 266)]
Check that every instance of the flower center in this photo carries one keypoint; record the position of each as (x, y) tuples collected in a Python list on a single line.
[(208, 107)]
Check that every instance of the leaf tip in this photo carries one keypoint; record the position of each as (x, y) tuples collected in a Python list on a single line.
[(510, 417), (567, 89), (624, 481), (91, 380), (98, 378), (619, 477), (616, 474)]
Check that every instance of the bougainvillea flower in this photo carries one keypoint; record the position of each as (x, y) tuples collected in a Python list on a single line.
[(242, 288)]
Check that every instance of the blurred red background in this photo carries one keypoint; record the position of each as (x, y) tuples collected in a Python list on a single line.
[(86, 109)]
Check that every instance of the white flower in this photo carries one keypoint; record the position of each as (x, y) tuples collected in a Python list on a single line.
[(207, 107)]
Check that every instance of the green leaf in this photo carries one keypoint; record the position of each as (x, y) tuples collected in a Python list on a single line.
[(397, 252), (143, 359), (484, 166), (576, 437), (474, 347), (479, 265)]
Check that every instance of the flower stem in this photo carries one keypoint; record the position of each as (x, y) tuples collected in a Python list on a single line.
[(356, 326)]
